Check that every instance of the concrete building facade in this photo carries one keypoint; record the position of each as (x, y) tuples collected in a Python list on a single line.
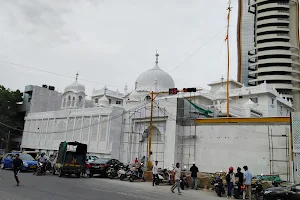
[(275, 55)]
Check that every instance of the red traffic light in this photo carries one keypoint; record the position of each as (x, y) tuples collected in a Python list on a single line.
[(173, 91), (189, 89)]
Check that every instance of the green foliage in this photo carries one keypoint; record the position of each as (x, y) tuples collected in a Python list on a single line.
[(8, 109)]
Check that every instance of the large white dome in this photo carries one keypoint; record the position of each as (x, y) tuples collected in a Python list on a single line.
[(154, 79), (75, 87)]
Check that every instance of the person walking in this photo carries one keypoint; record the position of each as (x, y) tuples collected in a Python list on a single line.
[(194, 170), (240, 181), (17, 164), (247, 182), (230, 179), (177, 174), (154, 173)]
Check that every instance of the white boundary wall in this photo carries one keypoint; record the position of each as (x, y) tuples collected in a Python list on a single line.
[(221, 146)]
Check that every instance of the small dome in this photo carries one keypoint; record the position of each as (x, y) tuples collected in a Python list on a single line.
[(75, 87), (221, 90), (103, 101), (134, 96), (251, 104), (154, 79)]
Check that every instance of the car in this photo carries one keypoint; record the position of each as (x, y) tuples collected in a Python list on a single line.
[(101, 165), (90, 158), (29, 163), (283, 193)]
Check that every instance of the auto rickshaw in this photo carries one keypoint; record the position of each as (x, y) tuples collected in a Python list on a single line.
[(70, 159)]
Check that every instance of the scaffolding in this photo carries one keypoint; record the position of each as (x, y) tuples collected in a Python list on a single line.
[(275, 152), (136, 131), (186, 147)]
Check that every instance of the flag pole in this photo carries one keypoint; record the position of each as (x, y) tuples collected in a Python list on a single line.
[(228, 58)]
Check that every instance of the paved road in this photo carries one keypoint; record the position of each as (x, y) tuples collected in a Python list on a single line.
[(55, 188)]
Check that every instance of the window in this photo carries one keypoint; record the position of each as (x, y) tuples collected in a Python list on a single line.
[(73, 101), (64, 104), (273, 101), (118, 102), (281, 108), (254, 99), (96, 100), (69, 101), (109, 101), (147, 98), (80, 99)]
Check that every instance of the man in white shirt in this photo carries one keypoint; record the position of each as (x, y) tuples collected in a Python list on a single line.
[(43, 159), (177, 174), (154, 172)]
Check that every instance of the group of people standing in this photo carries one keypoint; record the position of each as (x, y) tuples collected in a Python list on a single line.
[(244, 181)]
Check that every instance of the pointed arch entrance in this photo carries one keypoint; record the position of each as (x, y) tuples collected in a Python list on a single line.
[(158, 145)]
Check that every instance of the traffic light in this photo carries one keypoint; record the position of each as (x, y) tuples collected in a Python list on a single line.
[(173, 91), (189, 89)]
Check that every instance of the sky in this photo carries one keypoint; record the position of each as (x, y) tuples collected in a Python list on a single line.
[(111, 42)]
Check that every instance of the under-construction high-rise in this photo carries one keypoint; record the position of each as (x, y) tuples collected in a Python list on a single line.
[(268, 45)]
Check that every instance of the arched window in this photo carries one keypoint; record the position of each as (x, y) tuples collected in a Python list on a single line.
[(79, 101), (147, 98), (64, 103), (73, 101), (69, 101)]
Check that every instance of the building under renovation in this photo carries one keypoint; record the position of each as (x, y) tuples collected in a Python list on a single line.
[(116, 125)]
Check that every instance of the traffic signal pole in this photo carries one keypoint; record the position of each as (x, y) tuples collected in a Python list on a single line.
[(153, 95)]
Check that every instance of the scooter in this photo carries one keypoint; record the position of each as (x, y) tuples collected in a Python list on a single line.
[(218, 185), (163, 177), (112, 172), (136, 174), (183, 182), (123, 172)]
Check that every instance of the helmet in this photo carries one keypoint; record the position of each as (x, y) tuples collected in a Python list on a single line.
[(231, 169)]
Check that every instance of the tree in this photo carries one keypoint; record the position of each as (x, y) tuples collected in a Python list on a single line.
[(9, 115)]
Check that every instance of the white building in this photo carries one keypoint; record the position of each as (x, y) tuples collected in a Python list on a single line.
[(120, 130)]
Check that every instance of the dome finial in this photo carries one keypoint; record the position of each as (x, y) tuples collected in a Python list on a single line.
[(77, 76), (156, 57)]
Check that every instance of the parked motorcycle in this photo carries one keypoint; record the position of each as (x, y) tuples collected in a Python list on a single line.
[(123, 172), (237, 191), (163, 177), (257, 190), (218, 186), (136, 174), (112, 172), (183, 180)]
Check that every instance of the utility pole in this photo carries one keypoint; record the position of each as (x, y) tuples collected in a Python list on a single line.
[(153, 95), (228, 58)]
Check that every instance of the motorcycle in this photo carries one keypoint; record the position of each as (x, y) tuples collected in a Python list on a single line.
[(112, 172), (123, 173), (39, 169), (218, 186), (183, 179), (237, 191), (136, 174), (257, 190), (163, 177)]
